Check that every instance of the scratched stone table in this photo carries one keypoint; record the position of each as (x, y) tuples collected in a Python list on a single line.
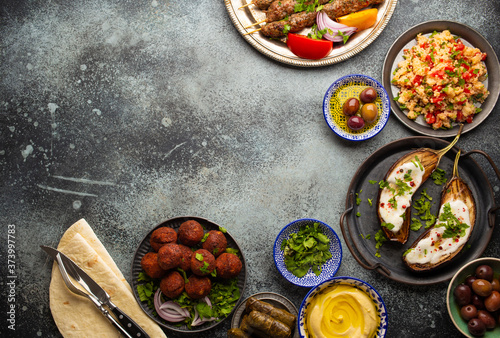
[(127, 113)]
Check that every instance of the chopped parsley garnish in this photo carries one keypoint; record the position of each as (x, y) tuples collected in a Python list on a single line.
[(438, 176), (407, 251), (389, 226), (345, 37), (379, 240), (417, 163), (358, 200), (415, 224), (423, 208), (454, 227), (308, 248)]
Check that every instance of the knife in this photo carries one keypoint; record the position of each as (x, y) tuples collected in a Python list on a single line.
[(97, 291)]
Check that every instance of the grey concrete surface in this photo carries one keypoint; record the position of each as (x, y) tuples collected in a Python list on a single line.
[(127, 113)]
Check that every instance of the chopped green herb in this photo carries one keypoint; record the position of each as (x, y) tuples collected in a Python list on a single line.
[(438, 176), (370, 201), (407, 251), (389, 226), (415, 224), (307, 249), (379, 240), (452, 224), (358, 200)]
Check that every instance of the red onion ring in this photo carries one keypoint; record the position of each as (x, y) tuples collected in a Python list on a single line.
[(169, 310), (323, 21)]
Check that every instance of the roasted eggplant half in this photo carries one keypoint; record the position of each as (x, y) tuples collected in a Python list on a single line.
[(452, 230), (400, 183)]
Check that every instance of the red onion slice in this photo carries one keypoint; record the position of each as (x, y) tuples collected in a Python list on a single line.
[(169, 310), (323, 21)]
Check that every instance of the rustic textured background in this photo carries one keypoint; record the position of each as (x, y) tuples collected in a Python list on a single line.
[(127, 113)]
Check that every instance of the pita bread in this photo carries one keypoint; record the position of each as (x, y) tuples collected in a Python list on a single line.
[(76, 316)]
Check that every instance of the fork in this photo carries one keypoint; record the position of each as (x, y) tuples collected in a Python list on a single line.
[(72, 287)]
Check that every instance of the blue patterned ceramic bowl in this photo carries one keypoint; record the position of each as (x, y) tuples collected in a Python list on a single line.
[(351, 86), (328, 270), (357, 283)]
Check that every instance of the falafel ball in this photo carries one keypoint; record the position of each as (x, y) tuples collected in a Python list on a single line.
[(162, 236), (228, 265), (190, 233), (215, 242), (198, 286), (187, 253), (169, 256), (202, 262), (149, 264), (172, 284)]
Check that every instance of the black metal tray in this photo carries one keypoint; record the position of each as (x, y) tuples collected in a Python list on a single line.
[(390, 263)]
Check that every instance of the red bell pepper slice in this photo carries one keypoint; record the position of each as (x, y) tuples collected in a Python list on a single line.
[(308, 48)]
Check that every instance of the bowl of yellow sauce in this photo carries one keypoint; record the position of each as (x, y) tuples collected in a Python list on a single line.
[(343, 307), (351, 86)]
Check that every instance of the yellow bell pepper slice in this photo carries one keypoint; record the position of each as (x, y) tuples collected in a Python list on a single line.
[(361, 20)]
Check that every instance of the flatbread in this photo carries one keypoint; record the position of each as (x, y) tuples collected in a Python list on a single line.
[(76, 316)]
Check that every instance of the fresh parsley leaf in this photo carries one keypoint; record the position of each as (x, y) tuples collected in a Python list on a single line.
[(438, 176), (309, 248)]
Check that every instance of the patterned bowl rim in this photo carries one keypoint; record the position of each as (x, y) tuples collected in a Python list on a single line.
[(355, 282), (304, 281), (384, 117)]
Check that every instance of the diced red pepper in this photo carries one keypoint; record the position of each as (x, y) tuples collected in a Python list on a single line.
[(437, 88), (460, 116), (459, 46), (467, 75), (449, 68), (428, 59), (430, 118), (469, 119), (438, 73), (417, 80), (438, 99)]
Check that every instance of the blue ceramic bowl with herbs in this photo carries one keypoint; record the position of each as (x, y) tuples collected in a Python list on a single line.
[(290, 246)]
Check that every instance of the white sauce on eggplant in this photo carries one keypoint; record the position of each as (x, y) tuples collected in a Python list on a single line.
[(433, 247), (409, 175)]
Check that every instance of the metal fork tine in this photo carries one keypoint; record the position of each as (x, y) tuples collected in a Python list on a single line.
[(90, 296), (73, 272), (67, 280)]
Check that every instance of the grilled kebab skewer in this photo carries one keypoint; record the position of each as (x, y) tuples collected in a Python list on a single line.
[(261, 4), (279, 9), (301, 20)]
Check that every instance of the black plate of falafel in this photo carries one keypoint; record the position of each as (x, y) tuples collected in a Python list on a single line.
[(188, 274)]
